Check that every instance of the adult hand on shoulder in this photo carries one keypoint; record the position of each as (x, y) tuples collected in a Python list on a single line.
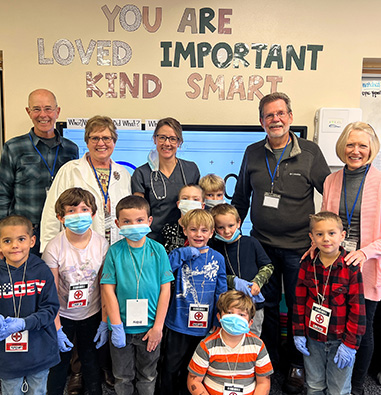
[(102, 335), (355, 258), (310, 252), (345, 356), (64, 344), (242, 285), (118, 336), (153, 336), (300, 344)]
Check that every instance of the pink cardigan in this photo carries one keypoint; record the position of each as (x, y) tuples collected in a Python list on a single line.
[(370, 223)]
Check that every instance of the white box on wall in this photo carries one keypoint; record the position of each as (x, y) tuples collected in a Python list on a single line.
[(329, 123)]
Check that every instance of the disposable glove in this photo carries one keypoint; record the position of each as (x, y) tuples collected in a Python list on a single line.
[(118, 336), (64, 344), (11, 325), (258, 298), (102, 335), (300, 344), (2, 321), (189, 253), (345, 356), (243, 286)]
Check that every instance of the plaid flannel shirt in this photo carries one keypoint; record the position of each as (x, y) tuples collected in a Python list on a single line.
[(344, 295), (24, 178)]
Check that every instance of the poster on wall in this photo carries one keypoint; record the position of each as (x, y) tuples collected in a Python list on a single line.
[(370, 104)]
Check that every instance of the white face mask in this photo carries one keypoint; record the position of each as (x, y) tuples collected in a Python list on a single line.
[(212, 203), (187, 205)]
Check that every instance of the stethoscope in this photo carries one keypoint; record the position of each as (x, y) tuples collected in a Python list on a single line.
[(155, 177)]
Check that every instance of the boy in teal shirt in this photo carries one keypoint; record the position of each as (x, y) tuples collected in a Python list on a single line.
[(136, 289)]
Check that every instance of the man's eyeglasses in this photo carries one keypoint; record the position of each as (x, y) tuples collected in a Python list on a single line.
[(95, 140), (47, 110), (162, 139), (280, 115)]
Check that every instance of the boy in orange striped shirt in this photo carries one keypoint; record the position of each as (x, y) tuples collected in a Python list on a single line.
[(232, 359)]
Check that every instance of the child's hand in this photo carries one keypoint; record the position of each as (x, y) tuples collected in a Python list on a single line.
[(64, 344), (154, 338), (102, 335), (118, 336), (255, 289), (11, 325), (243, 286)]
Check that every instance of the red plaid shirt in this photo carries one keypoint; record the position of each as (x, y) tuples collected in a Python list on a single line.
[(344, 295)]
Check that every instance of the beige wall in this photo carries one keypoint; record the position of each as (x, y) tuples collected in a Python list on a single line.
[(348, 30)]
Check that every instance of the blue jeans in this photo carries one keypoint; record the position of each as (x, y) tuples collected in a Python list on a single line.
[(286, 263), (36, 384), (134, 362), (323, 376)]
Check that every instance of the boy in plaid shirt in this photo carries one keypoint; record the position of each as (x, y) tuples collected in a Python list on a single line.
[(329, 312)]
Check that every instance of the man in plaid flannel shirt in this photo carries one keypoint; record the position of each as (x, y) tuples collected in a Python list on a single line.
[(30, 162), (329, 312)]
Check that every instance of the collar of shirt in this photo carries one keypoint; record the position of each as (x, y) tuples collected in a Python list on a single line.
[(295, 145), (36, 139)]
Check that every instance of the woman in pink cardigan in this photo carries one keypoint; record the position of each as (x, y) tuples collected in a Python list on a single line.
[(355, 194)]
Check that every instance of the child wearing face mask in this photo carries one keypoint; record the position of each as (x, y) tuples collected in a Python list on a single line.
[(190, 197), (136, 282), (248, 267), (214, 190), (75, 257), (232, 359)]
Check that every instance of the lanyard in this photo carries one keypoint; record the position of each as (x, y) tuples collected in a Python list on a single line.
[(51, 172), (195, 296), (141, 269), (272, 175), (236, 362), (17, 312), (105, 194), (238, 262), (321, 297), (349, 215)]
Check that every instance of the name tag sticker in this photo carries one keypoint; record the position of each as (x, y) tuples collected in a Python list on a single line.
[(232, 389), (137, 312), (349, 244), (271, 200), (17, 342), (319, 319), (78, 295), (198, 316)]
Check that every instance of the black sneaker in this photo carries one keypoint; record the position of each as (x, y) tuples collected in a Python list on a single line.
[(294, 383)]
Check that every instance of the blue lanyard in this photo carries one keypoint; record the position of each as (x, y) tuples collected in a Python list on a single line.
[(349, 215), (105, 195), (272, 176), (51, 172)]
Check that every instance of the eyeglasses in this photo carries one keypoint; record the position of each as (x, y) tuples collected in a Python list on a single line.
[(95, 140), (280, 115), (47, 110), (162, 139)]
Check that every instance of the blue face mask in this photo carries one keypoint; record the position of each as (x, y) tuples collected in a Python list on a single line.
[(78, 223), (134, 232), (234, 324), (235, 236)]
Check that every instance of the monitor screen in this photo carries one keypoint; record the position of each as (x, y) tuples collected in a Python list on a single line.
[(215, 149)]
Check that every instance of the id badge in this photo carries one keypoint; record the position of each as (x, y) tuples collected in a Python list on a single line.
[(232, 389), (319, 319), (349, 244), (17, 342), (136, 312), (198, 316), (78, 295), (271, 200)]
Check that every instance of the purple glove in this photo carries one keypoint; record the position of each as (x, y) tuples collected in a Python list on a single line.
[(118, 336), (189, 253), (300, 344), (64, 344), (258, 298), (345, 356), (102, 335), (243, 286), (11, 325)]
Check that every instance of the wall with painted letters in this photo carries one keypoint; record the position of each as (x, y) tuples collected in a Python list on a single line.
[(200, 62)]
